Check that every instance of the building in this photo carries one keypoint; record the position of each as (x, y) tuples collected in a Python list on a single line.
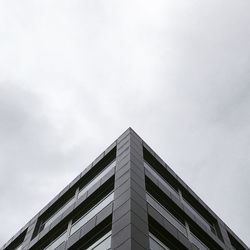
[(128, 198)]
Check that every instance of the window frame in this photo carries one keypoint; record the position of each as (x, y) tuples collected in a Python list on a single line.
[(64, 233), (85, 188), (100, 240), (158, 241), (81, 217)]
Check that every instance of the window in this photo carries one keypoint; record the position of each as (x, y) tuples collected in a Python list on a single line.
[(96, 179), (166, 214), (87, 216), (57, 214), (201, 239), (174, 186), (57, 242), (235, 243), (17, 244), (59, 207), (161, 170), (19, 247), (209, 226), (104, 243), (156, 244), (163, 237), (161, 180), (197, 242), (202, 220)]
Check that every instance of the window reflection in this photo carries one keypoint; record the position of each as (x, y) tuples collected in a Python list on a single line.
[(166, 214), (156, 244), (57, 214), (161, 180), (208, 225), (202, 220), (72, 200), (57, 242), (19, 247), (103, 243), (197, 242), (96, 179), (87, 216)]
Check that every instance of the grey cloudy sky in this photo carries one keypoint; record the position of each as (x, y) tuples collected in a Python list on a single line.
[(75, 74)]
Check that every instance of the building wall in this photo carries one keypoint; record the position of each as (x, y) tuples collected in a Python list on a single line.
[(151, 206)]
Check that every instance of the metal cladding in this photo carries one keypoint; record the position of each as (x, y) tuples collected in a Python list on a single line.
[(128, 198)]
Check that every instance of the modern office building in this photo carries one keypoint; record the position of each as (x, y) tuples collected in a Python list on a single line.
[(128, 198)]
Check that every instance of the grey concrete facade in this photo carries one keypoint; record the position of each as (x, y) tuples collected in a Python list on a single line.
[(130, 223), (148, 199)]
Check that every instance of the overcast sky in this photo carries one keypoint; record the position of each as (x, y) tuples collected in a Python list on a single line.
[(75, 74)]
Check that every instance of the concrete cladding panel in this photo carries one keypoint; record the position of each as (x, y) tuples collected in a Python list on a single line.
[(130, 222)]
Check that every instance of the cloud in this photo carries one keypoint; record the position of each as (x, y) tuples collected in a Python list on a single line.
[(30, 157), (74, 75)]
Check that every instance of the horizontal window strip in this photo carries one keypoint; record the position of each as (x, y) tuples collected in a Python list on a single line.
[(166, 214), (156, 244), (96, 179), (197, 242), (57, 242), (57, 214), (161, 180), (103, 243), (200, 218), (91, 213)]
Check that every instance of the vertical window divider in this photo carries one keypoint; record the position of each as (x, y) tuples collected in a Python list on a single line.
[(188, 230), (180, 195), (68, 229), (76, 193)]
